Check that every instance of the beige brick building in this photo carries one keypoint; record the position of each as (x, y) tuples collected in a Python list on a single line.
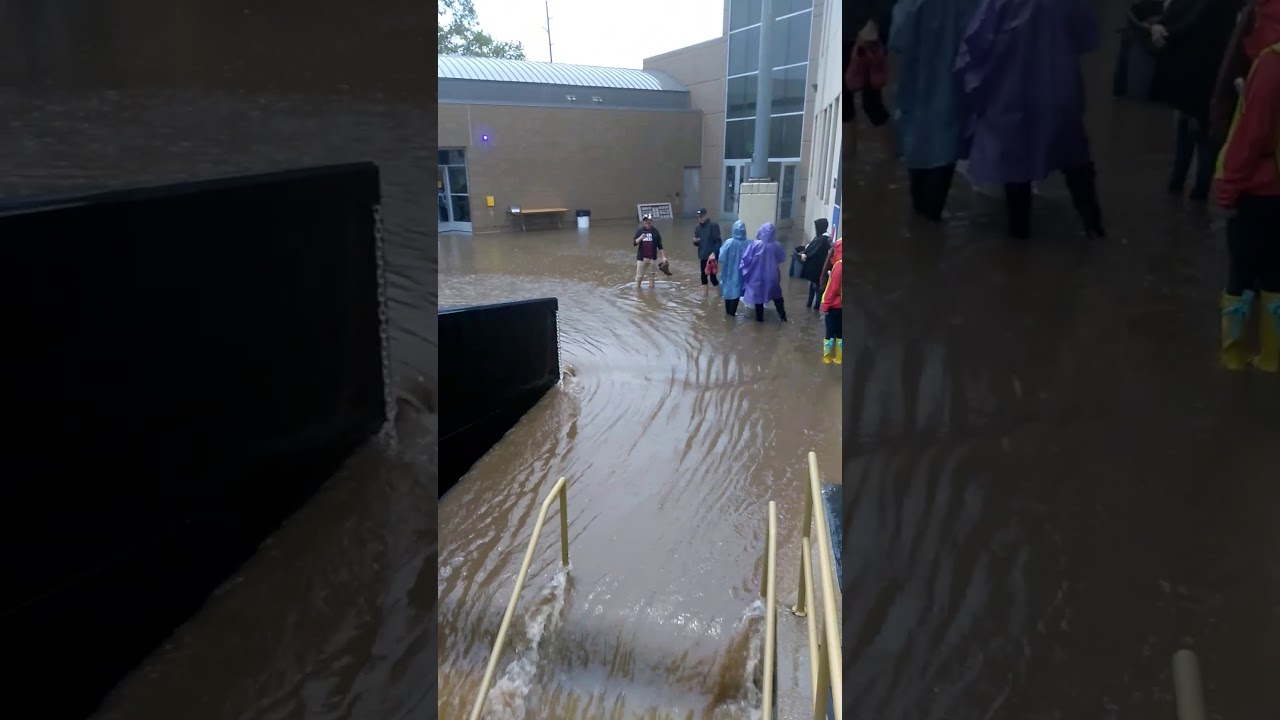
[(680, 130)]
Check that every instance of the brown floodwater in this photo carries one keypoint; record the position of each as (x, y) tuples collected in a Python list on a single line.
[(334, 617), (1050, 484), (675, 426)]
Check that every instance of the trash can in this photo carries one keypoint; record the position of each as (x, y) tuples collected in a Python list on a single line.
[(584, 219)]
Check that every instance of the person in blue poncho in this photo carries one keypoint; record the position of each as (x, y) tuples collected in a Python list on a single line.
[(730, 273), (925, 36)]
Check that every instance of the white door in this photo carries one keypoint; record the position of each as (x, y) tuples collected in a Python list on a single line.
[(692, 191), (453, 195)]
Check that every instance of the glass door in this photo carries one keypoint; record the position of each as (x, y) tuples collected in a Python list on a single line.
[(735, 172), (787, 193), (452, 196)]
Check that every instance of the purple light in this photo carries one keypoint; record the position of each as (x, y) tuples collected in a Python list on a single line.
[(484, 138)]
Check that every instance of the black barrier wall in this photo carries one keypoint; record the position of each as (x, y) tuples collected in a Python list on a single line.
[(182, 368), (496, 362)]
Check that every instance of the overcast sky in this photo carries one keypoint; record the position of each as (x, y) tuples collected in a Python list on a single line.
[(612, 33)]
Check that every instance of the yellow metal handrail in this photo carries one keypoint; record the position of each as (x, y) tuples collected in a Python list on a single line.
[(768, 589), (559, 489), (825, 666)]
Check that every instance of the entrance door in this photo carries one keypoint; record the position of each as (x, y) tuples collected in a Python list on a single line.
[(452, 193), (692, 191), (787, 194), (737, 172)]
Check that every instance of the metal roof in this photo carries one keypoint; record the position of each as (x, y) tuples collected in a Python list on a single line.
[(453, 67)]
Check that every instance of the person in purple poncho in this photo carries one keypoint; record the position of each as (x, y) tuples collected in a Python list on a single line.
[(1019, 68), (761, 267)]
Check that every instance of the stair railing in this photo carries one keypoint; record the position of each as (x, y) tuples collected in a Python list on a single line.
[(768, 588), (825, 663), (560, 489)]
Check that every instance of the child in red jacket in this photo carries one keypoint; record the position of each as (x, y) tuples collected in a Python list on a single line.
[(1249, 183), (833, 306)]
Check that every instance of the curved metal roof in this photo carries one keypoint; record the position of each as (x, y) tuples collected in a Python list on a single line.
[(453, 67)]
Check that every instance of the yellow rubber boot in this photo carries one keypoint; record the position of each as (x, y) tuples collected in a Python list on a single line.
[(1235, 313), (1269, 334), (828, 350), (839, 351)]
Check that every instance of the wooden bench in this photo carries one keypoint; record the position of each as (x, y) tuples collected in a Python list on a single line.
[(522, 214)]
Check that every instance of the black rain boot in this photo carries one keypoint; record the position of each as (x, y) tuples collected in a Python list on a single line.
[(1017, 205), (1082, 182), (782, 310)]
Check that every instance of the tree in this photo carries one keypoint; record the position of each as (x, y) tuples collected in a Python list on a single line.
[(460, 34)]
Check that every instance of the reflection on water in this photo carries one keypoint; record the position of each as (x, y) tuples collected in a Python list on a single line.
[(1050, 485), (334, 617), (675, 427)]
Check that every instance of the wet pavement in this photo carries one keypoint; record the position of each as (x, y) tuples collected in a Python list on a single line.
[(334, 617), (676, 426), (1050, 484)]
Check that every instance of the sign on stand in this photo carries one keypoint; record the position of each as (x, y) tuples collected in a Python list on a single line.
[(657, 211)]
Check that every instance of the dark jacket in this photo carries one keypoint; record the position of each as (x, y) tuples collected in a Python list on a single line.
[(648, 243), (1187, 66), (816, 253), (707, 235)]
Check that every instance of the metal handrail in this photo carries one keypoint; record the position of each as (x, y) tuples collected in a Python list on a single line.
[(826, 666), (559, 489), (768, 588)]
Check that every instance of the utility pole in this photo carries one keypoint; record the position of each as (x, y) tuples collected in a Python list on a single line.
[(550, 58)]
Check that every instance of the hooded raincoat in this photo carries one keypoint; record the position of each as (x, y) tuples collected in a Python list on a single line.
[(761, 271), (925, 37), (816, 252), (1019, 65), (730, 256)]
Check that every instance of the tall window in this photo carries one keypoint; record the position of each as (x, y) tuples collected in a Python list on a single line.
[(790, 58)]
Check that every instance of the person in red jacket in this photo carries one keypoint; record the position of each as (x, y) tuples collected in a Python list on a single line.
[(1248, 183), (833, 306)]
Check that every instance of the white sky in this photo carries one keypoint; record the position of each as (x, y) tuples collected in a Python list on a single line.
[(602, 32)]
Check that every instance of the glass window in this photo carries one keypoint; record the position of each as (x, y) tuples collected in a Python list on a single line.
[(790, 40), (784, 136), (744, 52), (739, 139), (789, 89), (786, 7), (743, 13), (455, 156), (741, 96), (457, 181)]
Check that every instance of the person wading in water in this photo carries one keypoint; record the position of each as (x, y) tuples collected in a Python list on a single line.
[(730, 270), (1024, 94), (648, 242), (762, 274), (833, 306), (1249, 184), (706, 235), (814, 259), (924, 38)]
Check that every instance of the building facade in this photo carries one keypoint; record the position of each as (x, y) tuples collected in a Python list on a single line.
[(681, 130), (825, 179), (721, 76), (537, 135)]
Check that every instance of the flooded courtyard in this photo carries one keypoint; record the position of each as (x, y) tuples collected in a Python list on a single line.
[(676, 426)]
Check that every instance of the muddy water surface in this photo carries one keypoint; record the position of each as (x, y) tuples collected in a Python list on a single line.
[(1051, 485), (675, 425)]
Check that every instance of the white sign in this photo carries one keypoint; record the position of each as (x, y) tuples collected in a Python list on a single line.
[(657, 211)]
